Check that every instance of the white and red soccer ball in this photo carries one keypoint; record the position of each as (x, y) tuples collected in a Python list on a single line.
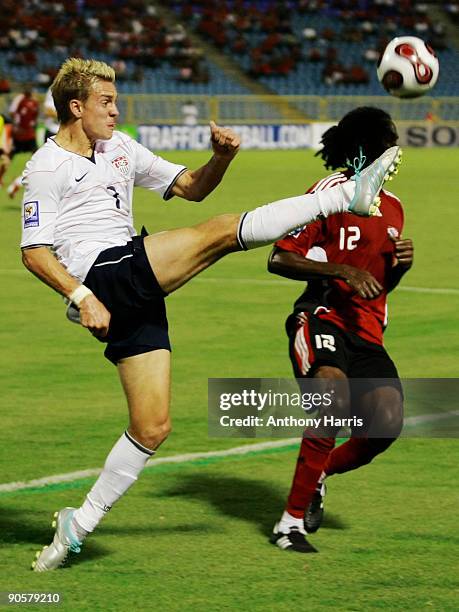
[(408, 67)]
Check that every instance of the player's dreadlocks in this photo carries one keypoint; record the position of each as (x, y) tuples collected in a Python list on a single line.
[(365, 129)]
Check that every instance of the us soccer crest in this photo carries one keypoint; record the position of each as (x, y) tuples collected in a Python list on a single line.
[(121, 163)]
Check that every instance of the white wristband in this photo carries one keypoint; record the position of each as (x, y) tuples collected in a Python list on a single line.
[(78, 295)]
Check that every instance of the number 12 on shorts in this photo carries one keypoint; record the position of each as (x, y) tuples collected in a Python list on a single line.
[(325, 341)]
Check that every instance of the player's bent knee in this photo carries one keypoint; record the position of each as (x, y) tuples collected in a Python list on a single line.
[(393, 424), (388, 418), (334, 381), (152, 435)]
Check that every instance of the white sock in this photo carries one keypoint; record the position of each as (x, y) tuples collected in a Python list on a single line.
[(122, 466), (287, 521), (268, 223)]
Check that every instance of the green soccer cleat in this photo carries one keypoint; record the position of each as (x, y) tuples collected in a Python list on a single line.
[(64, 541), (369, 182)]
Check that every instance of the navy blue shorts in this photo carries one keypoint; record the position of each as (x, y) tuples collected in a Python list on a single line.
[(122, 279)]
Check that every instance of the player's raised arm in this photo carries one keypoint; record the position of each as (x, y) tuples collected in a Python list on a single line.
[(195, 185)]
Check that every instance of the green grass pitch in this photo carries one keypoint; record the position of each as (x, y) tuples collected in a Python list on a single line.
[(193, 536)]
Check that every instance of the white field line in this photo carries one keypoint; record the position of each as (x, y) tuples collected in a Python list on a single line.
[(185, 458), (189, 457), (273, 283), (438, 290), (428, 418)]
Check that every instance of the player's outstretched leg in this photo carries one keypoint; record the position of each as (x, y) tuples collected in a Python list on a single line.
[(177, 255), (268, 223)]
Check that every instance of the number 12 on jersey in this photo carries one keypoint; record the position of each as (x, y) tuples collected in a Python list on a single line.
[(348, 237)]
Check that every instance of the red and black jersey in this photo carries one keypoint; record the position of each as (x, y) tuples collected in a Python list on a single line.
[(362, 242), (24, 111)]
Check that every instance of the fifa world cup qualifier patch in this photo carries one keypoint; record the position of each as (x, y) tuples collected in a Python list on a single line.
[(31, 214)]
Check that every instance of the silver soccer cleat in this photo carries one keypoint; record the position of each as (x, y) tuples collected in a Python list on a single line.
[(54, 555), (369, 182)]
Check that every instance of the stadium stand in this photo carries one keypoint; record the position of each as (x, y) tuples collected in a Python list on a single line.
[(310, 50), (452, 9), (148, 54), (321, 48)]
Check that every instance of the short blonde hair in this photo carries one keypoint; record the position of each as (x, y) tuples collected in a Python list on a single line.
[(74, 80)]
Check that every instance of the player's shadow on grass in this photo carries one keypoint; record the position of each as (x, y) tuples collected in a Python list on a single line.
[(20, 527), (242, 498), (196, 528)]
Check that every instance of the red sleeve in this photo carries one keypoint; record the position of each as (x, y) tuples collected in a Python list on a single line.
[(396, 203), (302, 239)]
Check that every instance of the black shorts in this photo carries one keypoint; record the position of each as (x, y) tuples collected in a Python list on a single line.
[(314, 343), (24, 146), (122, 279)]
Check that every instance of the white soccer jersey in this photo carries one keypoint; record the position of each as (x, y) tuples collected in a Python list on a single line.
[(82, 206)]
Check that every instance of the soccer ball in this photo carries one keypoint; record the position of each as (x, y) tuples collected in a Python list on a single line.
[(408, 67)]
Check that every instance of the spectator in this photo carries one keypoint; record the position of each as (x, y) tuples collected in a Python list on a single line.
[(356, 75), (5, 86), (333, 73), (371, 55), (190, 113), (315, 55), (24, 114), (309, 34)]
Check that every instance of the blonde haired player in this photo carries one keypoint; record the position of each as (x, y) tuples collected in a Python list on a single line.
[(78, 201)]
